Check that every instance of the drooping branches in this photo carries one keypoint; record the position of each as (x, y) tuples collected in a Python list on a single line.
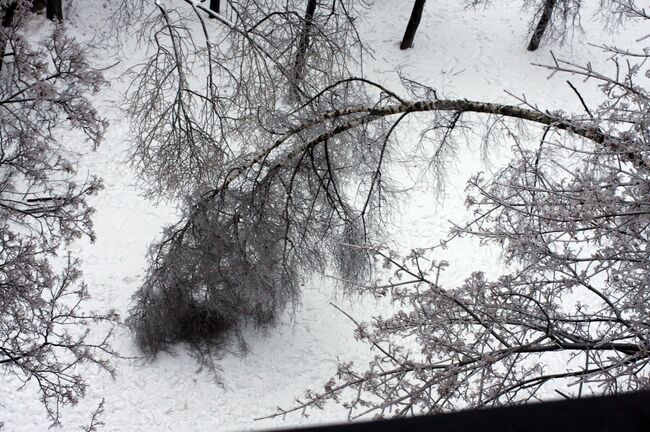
[(205, 105), (311, 187), (289, 209), (569, 317), (212, 84)]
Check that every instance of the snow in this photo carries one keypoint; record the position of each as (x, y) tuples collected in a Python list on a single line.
[(474, 54)]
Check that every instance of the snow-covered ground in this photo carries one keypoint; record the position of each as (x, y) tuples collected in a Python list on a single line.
[(474, 54)]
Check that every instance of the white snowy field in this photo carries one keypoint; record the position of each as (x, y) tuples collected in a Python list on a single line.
[(474, 54)]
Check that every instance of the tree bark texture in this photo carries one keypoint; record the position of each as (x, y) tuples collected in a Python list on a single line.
[(372, 113), (414, 22), (544, 20)]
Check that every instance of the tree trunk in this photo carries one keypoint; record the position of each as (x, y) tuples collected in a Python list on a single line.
[(7, 20), (38, 5), (299, 65), (215, 6), (549, 5), (8, 15), (414, 22), (54, 9)]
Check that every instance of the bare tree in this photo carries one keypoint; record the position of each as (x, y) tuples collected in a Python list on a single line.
[(242, 249), (194, 97), (412, 27), (556, 19), (201, 108), (572, 218), (315, 195), (544, 19), (44, 329)]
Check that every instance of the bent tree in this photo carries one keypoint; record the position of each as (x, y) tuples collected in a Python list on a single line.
[(570, 317), (209, 97), (570, 212)]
